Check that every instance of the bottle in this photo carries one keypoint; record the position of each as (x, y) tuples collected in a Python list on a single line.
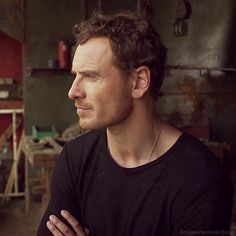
[(63, 54)]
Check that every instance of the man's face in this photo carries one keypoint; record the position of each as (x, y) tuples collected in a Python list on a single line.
[(102, 94)]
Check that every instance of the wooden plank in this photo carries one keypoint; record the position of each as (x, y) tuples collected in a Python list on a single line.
[(10, 111), (19, 194), (8, 132), (13, 177)]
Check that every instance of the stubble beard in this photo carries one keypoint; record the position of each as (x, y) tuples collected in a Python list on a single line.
[(98, 122)]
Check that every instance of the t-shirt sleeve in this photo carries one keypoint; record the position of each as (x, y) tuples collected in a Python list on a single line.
[(201, 193), (63, 194), (205, 213)]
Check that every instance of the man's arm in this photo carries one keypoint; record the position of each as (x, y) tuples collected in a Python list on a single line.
[(58, 228), (63, 194), (207, 214)]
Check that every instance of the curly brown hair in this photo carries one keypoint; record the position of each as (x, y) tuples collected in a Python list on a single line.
[(134, 42)]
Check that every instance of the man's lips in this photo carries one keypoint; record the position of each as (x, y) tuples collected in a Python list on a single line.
[(82, 109)]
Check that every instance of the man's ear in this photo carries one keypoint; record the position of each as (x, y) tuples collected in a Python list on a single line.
[(141, 81)]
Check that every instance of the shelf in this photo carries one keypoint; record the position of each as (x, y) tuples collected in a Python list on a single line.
[(173, 70), (47, 71)]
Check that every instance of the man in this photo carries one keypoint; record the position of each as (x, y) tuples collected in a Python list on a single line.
[(134, 174)]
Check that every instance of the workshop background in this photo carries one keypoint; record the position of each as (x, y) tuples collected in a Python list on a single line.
[(36, 47)]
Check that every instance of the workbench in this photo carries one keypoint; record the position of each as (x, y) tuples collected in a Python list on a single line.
[(42, 157)]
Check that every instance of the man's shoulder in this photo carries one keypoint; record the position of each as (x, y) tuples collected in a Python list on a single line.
[(192, 159), (194, 149)]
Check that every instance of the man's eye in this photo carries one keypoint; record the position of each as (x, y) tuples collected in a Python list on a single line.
[(91, 76)]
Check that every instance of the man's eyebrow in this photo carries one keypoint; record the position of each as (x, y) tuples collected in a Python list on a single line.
[(87, 72)]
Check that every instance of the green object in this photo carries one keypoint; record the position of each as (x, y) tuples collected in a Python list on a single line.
[(41, 132)]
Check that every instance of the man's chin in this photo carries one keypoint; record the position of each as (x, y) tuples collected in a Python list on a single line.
[(88, 126)]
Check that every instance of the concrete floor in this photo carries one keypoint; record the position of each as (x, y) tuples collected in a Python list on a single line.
[(14, 222)]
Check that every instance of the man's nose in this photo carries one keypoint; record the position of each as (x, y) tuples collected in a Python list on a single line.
[(76, 90)]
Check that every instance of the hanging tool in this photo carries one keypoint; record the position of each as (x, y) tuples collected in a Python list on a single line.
[(183, 11)]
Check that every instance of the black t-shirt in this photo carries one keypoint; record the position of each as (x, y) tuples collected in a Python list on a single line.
[(181, 193)]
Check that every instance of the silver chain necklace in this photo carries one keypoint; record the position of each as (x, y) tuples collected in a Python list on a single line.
[(154, 145)]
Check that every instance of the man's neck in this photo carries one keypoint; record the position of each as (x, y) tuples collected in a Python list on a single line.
[(131, 141)]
